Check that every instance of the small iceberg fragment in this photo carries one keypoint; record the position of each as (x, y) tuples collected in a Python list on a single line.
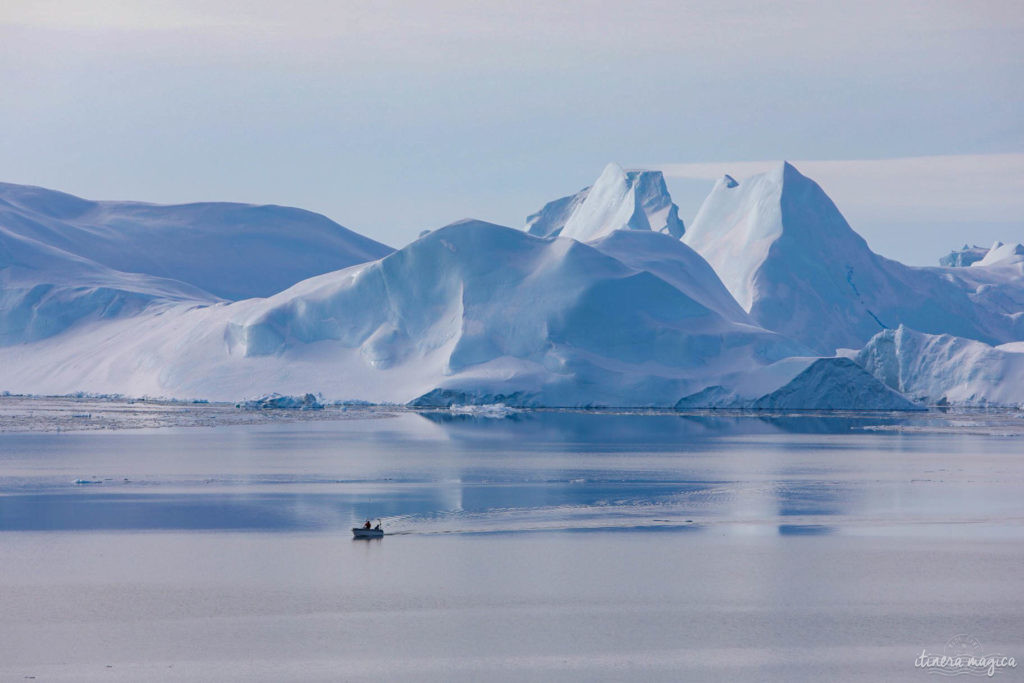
[(279, 402), (491, 410)]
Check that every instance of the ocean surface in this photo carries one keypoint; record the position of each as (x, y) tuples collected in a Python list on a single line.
[(530, 546)]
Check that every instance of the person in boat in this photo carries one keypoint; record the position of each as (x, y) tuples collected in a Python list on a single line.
[(377, 528), (367, 525)]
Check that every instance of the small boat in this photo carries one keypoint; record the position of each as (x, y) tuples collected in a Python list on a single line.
[(367, 531)]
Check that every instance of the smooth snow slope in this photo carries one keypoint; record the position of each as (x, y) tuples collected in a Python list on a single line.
[(45, 291), (473, 311), (790, 259), (549, 221), (233, 251), (1002, 254), (941, 369), (619, 200), (677, 264)]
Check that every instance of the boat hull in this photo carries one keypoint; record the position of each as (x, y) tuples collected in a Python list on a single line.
[(367, 533)]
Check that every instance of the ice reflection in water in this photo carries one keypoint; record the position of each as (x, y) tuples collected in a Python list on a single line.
[(439, 472)]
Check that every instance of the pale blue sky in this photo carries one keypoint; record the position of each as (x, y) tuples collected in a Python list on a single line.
[(391, 117)]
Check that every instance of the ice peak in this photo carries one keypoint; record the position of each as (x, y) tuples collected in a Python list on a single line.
[(636, 199), (613, 174), (770, 234), (1002, 254), (787, 175)]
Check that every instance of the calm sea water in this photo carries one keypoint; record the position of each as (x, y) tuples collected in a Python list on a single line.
[(543, 546)]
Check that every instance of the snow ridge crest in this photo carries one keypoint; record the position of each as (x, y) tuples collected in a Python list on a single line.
[(619, 200)]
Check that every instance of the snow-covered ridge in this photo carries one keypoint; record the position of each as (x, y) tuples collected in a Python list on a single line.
[(618, 200), (44, 290), (231, 251), (1002, 254)]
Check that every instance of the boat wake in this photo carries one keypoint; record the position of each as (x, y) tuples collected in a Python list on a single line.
[(556, 518)]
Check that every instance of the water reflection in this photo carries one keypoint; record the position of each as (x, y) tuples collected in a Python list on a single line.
[(814, 498), (649, 428), (804, 529), (437, 472)]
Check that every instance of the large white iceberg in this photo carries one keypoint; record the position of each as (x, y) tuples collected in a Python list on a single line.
[(616, 311), (790, 259), (487, 313)]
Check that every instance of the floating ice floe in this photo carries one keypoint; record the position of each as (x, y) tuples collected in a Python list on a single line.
[(279, 402), (490, 410)]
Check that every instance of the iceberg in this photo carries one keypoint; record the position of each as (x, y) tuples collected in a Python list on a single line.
[(791, 260), (618, 200), (833, 384), (275, 401), (965, 256), (801, 383), (946, 370), (605, 307), (627, 321), (1002, 254)]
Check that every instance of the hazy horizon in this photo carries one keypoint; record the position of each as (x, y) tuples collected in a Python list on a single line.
[(394, 117)]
